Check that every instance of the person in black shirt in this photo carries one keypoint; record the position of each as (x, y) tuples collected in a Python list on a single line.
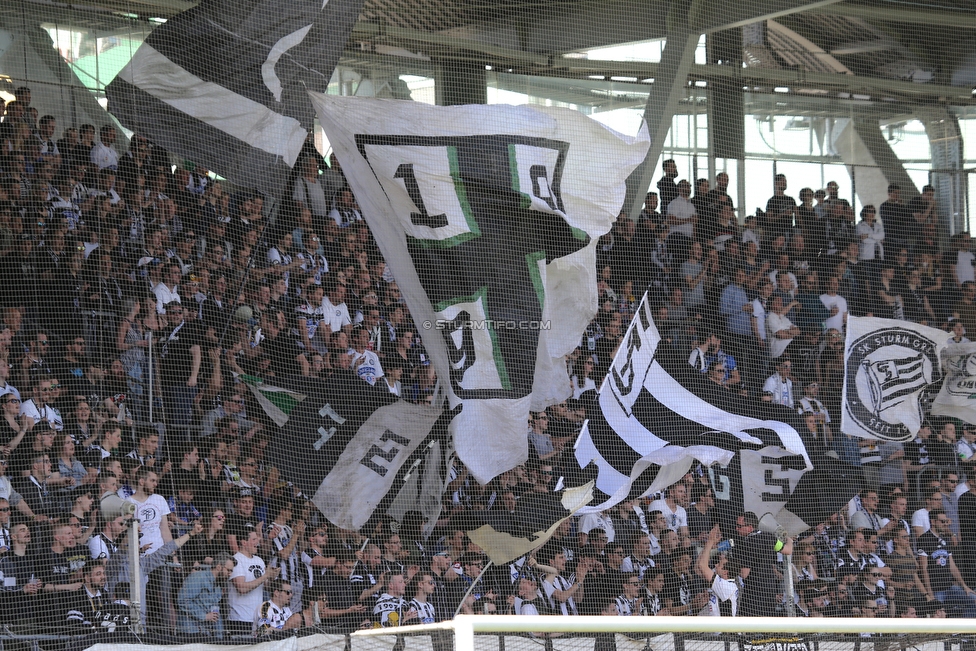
[(682, 594), (180, 357), (757, 558), (667, 189), (939, 573), (344, 612)]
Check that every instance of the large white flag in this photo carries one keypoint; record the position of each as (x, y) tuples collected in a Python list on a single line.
[(488, 217), (957, 398), (889, 363)]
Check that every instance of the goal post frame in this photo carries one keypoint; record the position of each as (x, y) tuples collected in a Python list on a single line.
[(465, 626)]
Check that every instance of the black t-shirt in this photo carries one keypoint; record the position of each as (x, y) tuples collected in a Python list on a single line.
[(677, 588), (936, 551), (342, 594), (175, 357), (758, 553)]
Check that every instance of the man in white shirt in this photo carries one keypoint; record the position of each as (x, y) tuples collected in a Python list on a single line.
[(151, 511), (335, 311), (308, 192), (682, 215), (37, 408), (274, 614), (780, 384), (673, 508), (246, 581), (835, 304), (364, 360), (103, 154), (167, 291), (723, 590), (780, 331)]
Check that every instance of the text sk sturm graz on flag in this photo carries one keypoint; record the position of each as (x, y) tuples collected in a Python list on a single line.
[(487, 215), (889, 363)]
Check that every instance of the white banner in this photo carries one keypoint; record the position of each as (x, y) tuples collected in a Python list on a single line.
[(889, 363), (957, 398), (488, 218), (368, 466)]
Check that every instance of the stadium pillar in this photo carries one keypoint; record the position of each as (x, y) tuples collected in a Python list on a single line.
[(669, 85), (869, 159), (947, 176), (460, 83)]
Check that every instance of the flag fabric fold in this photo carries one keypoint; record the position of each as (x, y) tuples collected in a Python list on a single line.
[(277, 402), (487, 217), (889, 364), (349, 446), (957, 397), (650, 424), (223, 84)]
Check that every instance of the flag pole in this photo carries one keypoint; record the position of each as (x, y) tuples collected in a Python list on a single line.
[(471, 587)]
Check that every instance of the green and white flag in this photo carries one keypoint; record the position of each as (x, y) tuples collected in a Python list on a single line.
[(957, 398), (277, 402)]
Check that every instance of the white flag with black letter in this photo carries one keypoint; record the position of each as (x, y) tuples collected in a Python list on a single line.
[(889, 363), (488, 217)]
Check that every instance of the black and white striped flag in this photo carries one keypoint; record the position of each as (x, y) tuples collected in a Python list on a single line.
[(650, 426), (224, 84)]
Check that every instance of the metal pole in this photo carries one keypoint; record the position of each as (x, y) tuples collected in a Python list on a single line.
[(152, 376), (790, 603), (473, 584), (135, 579)]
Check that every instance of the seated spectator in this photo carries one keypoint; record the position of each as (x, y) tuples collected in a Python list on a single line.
[(275, 615)]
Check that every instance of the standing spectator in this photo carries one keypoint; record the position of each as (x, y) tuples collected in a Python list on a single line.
[(247, 579), (103, 154), (673, 508), (779, 385), (180, 361), (780, 330), (923, 208), (757, 559), (870, 235), (681, 220), (392, 608), (200, 596), (309, 193), (723, 590), (780, 209), (940, 576), (666, 186), (922, 518), (896, 219)]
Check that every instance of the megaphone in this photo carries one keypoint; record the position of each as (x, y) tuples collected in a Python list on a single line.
[(768, 524), (112, 506)]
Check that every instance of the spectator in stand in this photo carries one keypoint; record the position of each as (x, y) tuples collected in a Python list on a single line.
[(103, 154), (200, 596), (780, 331), (247, 579)]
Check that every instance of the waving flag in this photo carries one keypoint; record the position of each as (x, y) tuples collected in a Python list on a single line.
[(889, 364), (651, 423), (957, 398), (223, 83), (487, 216), (277, 402), (349, 445)]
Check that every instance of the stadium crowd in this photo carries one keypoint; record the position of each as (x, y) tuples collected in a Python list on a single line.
[(137, 292)]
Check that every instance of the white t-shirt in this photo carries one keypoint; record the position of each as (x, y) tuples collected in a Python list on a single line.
[(335, 316), (150, 515), (775, 323), (244, 606), (721, 590), (48, 413), (682, 209), (921, 519), (676, 519), (830, 302), (592, 521), (269, 617), (759, 314), (369, 369)]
